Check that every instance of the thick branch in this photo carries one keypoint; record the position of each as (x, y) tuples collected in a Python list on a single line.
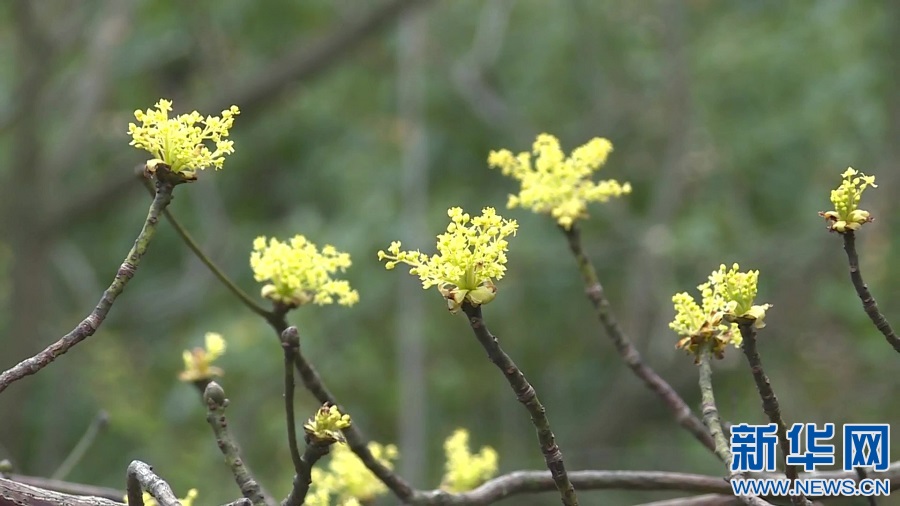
[(630, 355), (525, 394), (89, 325), (862, 290), (250, 488), (141, 478), (499, 488)]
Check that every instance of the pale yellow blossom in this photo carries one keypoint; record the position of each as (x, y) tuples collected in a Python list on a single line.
[(298, 273), (471, 255), (555, 184), (179, 142)]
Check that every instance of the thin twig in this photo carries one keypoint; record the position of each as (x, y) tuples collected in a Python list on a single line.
[(141, 478), (216, 271), (355, 440), (862, 290), (526, 395), (769, 401), (303, 479), (290, 341), (89, 325), (630, 355), (250, 488), (713, 422), (311, 379), (98, 424)]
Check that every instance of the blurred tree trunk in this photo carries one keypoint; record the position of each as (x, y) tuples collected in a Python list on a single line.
[(411, 337), (24, 214)]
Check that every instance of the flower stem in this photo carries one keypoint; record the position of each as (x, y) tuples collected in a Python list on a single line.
[(630, 355), (213, 268), (525, 394), (862, 290), (290, 341), (769, 400), (355, 440)]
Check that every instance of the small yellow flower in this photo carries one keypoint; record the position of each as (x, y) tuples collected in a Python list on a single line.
[(727, 296), (198, 362), (347, 479), (471, 254), (846, 215), (188, 500), (298, 273), (327, 424), (464, 470), (557, 185), (179, 142)]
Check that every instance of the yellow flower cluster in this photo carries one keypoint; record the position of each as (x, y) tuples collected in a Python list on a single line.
[(188, 500), (846, 215), (327, 424), (471, 254), (726, 297), (347, 479), (179, 142), (198, 362), (555, 184), (298, 273), (465, 470)]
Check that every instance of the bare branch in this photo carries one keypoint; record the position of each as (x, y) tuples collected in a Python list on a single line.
[(525, 394), (141, 478), (713, 422), (92, 322), (862, 290), (215, 400), (630, 355), (769, 401)]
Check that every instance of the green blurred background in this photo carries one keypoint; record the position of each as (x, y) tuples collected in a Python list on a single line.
[(731, 120)]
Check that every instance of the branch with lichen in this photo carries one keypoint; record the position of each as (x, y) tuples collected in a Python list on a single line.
[(215, 400), (88, 326), (769, 400), (526, 395), (711, 418), (630, 355), (140, 478)]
